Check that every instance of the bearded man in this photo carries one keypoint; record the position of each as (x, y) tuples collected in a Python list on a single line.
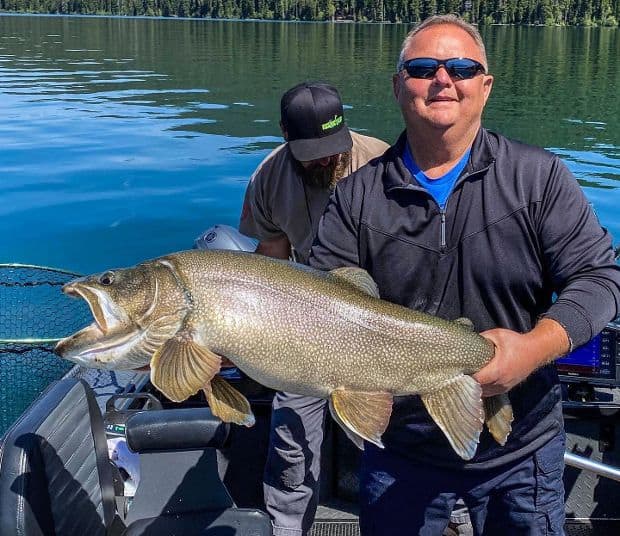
[(284, 201)]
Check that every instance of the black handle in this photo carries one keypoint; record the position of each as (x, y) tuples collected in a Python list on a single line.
[(151, 402)]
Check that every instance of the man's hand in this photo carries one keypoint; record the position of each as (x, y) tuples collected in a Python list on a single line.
[(226, 363), (278, 248), (508, 366), (517, 355)]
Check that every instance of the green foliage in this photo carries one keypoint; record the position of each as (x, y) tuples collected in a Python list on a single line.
[(547, 12)]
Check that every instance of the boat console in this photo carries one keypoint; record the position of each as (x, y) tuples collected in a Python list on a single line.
[(590, 378), (595, 363)]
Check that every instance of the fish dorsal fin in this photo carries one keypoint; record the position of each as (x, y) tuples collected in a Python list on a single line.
[(457, 409), (227, 403), (362, 414), (181, 367), (465, 322), (359, 278), (498, 417)]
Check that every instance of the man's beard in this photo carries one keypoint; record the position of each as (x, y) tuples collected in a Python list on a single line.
[(325, 177)]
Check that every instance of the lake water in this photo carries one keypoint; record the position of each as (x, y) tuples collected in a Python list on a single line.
[(123, 139)]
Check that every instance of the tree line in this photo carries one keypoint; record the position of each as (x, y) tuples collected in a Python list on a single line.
[(522, 12)]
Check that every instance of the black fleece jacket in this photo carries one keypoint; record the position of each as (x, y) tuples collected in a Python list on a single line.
[(516, 233)]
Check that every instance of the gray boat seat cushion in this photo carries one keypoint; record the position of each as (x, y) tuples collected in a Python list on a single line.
[(55, 476), (175, 429)]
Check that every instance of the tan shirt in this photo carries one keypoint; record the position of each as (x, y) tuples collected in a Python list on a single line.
[(278, 202)]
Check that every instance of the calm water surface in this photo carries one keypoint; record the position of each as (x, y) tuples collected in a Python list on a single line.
[(123, 139)]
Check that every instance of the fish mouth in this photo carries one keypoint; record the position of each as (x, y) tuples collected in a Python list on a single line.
[(111, 329), (107, 315)]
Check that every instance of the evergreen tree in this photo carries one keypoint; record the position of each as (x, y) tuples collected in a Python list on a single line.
[(548, 12)]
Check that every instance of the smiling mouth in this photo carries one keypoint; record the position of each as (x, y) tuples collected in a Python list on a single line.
[(442, 99)]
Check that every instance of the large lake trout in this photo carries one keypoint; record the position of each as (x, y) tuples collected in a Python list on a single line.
[(291, 328)]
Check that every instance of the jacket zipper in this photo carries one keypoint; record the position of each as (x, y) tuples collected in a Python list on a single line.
[(442, 240), (442, 211)]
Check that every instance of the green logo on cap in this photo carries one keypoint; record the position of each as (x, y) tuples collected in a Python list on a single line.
[(332, 122)]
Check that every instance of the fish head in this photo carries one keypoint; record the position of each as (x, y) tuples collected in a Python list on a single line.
[(135, 311)]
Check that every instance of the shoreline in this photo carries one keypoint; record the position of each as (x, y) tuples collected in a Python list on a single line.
[(285, 20)]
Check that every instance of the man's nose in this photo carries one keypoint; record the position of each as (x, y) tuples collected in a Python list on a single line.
[(324, 162), (442, 76)]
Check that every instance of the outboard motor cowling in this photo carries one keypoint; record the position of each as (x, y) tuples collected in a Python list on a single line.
[(225, 237)]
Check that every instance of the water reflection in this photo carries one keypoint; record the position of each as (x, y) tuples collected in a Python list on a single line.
[(123, 139)]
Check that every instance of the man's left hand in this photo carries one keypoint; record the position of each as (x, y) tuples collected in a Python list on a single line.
[(506, 369), (517, 355)]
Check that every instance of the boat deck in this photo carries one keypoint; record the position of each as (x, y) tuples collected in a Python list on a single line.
[(107, 383), (347, 527)]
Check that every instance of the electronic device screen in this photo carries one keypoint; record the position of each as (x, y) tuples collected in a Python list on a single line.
[(596, 361)]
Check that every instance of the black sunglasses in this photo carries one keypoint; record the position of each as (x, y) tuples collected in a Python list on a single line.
[(457, 68)]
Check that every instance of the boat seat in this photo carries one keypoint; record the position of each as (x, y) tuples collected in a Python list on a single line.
[(56, 477)]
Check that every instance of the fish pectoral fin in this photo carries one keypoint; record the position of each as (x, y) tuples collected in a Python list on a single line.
[(359, 278), (181, 367), (227, 403), (363, 415), (457, 409), (498, 417), (159, 331)]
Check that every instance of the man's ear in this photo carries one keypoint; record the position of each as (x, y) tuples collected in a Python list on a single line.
[(487, 86), (396, 85), (284, 132)]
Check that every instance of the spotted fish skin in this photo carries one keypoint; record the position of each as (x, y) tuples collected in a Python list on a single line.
[(307, 332), (291, 328)]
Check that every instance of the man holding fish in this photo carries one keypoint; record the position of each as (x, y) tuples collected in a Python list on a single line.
[(457, 221)]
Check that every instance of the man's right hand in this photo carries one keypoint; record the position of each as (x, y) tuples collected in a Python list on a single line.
[(226, 363), (278, 248)]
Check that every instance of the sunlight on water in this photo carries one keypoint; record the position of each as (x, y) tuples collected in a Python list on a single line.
[(123, 139)]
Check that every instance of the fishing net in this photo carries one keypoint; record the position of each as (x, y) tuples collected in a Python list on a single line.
[(34, 315)]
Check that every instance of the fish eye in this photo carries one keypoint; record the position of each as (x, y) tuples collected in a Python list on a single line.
[(107, 278)]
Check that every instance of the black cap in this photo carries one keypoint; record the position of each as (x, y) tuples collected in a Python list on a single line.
[(313, 118)]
